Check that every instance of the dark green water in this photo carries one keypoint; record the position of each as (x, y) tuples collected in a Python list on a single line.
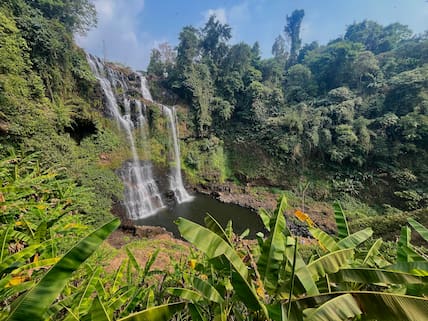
[(196, 210)]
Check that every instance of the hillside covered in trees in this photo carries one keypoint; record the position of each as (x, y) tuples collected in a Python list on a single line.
[(350, 117)]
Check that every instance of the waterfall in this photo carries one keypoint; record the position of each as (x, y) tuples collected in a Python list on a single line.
[(142, 197), (175, 178), (145, 89)]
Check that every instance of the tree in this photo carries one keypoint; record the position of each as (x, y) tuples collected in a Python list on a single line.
[(299, 83), (214, 38), (331, 65), (188, 48), (375, 37), (76, 15), (292, 30), (199, 86), (278, 47), (366, 70), (162, 60)]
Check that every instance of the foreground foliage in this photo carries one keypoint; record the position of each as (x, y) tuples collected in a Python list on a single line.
[(46, 272)]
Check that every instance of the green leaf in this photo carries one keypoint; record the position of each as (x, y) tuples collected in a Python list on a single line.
[(388, 306), (133, 261), (214, 246), (196, 313), (343, 307), (405, 253), (324, 239), (212, 224), (118, 276), (186, 294), (85, 298), (329, 263), (373, 251), (301, 270), (207, 290), (12, 262), (372, 276), (98, 311), (35, 302), (272, 253), (341, 222), (265, 217), (149, 263), (409, 267), (4, 241), (353, 240), (374, 305), (419, 228), (158, 313)]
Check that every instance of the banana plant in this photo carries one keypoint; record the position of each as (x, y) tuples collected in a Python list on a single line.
[(34, 303), (335, 284)]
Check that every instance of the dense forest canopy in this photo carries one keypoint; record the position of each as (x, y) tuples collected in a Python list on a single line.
[(358, 105)]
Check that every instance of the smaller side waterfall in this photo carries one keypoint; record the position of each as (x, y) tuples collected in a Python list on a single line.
[(175, 179)]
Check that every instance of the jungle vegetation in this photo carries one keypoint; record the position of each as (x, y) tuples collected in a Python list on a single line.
[(349, 116)]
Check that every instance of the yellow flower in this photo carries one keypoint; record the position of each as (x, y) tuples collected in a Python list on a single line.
[(260, 289), (192, 263), (204, 277)]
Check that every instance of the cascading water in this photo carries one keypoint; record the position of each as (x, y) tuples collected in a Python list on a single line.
[(142, 197), (175, 179), (145, 89)]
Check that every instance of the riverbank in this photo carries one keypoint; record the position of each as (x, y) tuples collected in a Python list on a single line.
[(256, 197)]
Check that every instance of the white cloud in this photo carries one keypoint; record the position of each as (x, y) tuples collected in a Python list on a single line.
[(219, 13), (234, 16), (118, 30)]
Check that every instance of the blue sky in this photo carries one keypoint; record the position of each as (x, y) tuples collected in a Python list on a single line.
[(131, 28)]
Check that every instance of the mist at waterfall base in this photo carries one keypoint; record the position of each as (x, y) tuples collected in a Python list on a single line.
[(196, 210)]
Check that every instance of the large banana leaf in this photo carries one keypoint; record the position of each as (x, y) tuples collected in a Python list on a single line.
[(373, 251), (210, 243), (355, 239), (388, 306), (36, 301), (213, 246), (212, 224), (329, 263), (405, 252), (342, 307), (374, 305), (207, 290), (324, 239), (302, 272), (418, 227), (272, 252), (409, 267), (265, 217), (341, 222), (186, 294), (158, 313), (371, 276)]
